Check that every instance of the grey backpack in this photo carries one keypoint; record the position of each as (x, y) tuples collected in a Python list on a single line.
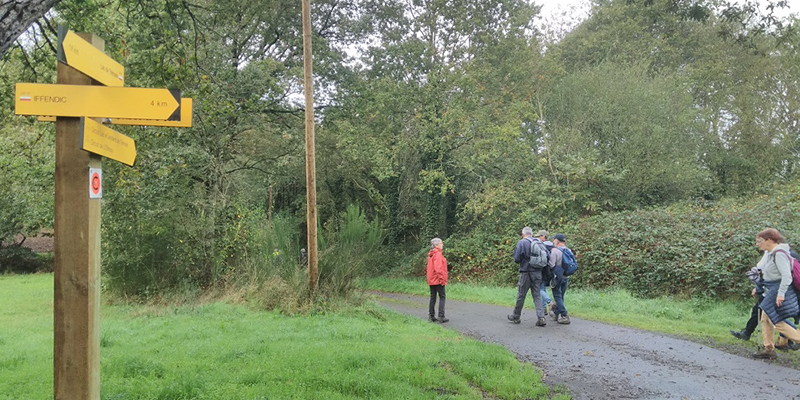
[(539, 254)]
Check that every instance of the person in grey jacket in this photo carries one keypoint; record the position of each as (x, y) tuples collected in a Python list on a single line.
[(780, 300), (560, 282), (530, 278), (755, 313)]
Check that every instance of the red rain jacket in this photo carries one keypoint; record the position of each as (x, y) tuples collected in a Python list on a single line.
[(437, 268)]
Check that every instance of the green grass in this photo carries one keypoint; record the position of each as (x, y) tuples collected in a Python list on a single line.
[(703, 321), (224, 351)]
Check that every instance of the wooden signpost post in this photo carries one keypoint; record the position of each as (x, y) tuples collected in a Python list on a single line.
[(80, 143)]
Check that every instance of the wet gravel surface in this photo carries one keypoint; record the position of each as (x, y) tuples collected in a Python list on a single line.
[(599, 361)]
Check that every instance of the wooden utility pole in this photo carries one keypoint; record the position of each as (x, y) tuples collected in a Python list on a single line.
[(76, 355), (311, 175)]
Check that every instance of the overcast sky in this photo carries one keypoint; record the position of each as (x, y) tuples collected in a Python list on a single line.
[(570, 12)]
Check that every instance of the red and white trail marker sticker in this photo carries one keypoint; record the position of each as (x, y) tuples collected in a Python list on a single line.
[(95, 183)]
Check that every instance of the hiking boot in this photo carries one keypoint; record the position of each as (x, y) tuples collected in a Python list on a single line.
[(782, 344), (513, 318), (564, 320), (740, 335), (541, 322), (443, 319), (767, 354), (552, 312), (433, 319)]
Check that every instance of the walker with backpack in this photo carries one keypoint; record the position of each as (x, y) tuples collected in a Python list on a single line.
[(795, 284), (540, 256), (795, 268)]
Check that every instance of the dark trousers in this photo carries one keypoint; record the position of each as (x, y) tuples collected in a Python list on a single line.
[(437, 289), (558, 295), (752, 323), (529, 281)]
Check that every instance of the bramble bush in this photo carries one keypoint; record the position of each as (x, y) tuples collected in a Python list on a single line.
[(482, 257), (690, 249)]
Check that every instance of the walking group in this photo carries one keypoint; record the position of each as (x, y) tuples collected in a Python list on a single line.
[(545, 263), (541, 263), (776, 295)]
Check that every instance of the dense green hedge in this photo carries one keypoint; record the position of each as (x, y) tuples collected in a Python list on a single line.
[(18, 259), (689, 249)]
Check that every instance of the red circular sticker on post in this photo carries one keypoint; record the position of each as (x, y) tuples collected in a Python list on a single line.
[(95, 183)]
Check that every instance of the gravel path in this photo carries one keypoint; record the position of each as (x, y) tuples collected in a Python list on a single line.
[(600, 361)]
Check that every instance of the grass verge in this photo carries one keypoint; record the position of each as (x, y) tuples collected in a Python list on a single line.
[(702, 321), (224, 351)]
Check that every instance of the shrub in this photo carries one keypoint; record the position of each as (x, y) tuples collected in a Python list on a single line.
[(18, 259), (697, 249), (482, 257), (353, 251), (690, 249)]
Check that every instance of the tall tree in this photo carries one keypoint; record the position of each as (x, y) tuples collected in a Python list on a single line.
[(430, 113), (17, 15), (723, 56)]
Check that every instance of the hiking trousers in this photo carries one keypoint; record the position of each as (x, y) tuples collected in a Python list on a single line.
[(437, 289), (529, 281), (558, 296), (768, 331)]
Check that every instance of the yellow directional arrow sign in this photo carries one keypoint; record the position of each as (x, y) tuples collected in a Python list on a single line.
[(97, 101), (107, 142), (81, 55), (185, 122)]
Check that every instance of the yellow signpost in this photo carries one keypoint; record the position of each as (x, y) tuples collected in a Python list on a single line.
[(97, 101), (76, 98), (83, 56), (98, 139), (185, 121)]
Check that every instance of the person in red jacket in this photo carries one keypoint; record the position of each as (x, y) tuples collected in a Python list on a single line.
[(437, 279)]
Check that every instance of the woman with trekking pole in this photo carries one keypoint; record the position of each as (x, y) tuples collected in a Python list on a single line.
[(780, 299)]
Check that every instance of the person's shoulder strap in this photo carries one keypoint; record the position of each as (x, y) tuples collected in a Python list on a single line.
[(784, 253)]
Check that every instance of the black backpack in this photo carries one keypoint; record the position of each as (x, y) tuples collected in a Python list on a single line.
[(547, 272)]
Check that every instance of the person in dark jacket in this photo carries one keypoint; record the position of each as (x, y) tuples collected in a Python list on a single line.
[(780, 300), (437, 279), (530, 278)]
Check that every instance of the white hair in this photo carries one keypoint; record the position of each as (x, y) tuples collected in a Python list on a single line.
[(435, 241), (527, 231)]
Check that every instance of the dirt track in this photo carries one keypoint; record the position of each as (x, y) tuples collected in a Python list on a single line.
[(599, 361)]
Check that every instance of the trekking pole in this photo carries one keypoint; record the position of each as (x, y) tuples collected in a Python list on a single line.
[(759, 327)]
